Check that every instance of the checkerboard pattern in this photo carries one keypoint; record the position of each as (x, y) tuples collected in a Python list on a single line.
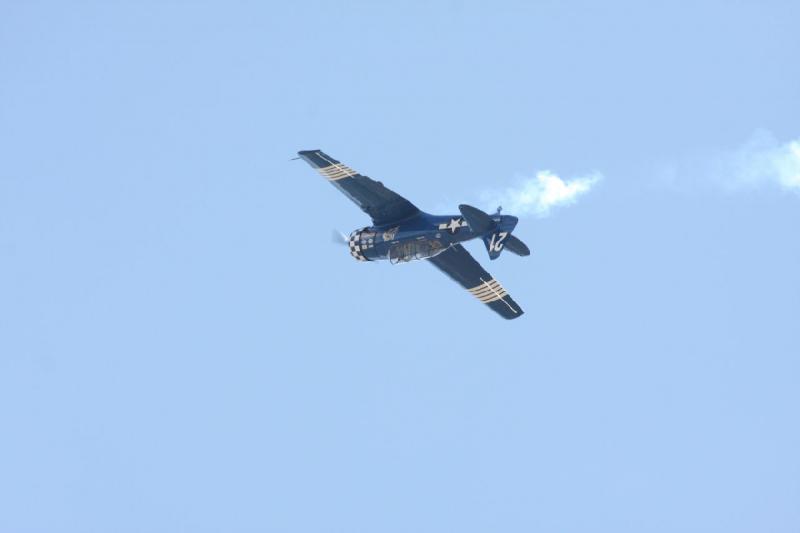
[(359, 241)]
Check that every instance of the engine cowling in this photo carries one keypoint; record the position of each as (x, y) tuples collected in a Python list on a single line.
[(359, 242)]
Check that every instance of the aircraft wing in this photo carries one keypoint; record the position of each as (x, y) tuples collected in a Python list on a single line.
[(457, 263), (381, 204)]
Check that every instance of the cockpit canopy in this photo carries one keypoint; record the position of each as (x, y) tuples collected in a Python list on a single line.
[(403, 252)]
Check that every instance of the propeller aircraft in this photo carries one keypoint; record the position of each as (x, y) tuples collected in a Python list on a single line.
[(401, 233)]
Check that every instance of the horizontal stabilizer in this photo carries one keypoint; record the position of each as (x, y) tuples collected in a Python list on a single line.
[(516, 246), (479, 222)]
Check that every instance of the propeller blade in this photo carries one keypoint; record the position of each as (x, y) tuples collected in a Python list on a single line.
[(339, 238)]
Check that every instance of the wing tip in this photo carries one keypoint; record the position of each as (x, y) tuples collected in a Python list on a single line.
[(512, 315), (506, 308), (316, 158)]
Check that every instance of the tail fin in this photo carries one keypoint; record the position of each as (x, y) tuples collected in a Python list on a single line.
[(498, 240), (496, 231), (495, 242)]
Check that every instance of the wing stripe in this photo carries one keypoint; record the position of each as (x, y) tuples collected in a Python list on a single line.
[(460, 266), (337, 172), (489, 291), (489, 294), (486, 285), (492, 297)]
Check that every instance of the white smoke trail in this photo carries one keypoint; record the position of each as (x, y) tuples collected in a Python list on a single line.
[(762, 160), (537, 196)]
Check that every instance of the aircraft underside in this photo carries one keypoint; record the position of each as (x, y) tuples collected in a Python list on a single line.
[(401, 233)]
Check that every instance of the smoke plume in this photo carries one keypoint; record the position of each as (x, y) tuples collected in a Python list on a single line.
[(537, 196), (761, 161)]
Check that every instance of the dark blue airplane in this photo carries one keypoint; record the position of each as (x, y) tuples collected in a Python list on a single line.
[(401, 233)]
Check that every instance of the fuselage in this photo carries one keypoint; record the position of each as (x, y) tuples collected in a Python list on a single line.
[(418, 237)]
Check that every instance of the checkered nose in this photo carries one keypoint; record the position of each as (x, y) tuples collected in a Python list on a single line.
[(360, 241)]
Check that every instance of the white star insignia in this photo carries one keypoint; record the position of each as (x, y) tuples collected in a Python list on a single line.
[(453, 226)]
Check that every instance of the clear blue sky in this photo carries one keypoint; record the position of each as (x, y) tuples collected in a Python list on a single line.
[(182, 348)]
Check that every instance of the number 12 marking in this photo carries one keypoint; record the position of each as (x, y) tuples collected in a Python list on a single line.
[(496, 244)]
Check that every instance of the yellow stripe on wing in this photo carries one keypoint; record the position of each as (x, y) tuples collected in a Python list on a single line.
[(488, 291), (337, 172)]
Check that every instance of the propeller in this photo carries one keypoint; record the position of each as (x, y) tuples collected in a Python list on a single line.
[(339, 238)]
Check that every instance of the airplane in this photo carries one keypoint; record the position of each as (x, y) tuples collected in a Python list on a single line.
[(401, 233)]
